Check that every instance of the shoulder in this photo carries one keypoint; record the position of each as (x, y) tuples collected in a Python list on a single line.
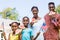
[(18, 31), (41, 20), (58, 16), (46, 14), (29, 29)]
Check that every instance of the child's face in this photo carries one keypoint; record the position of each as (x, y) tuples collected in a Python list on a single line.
[(25, 21), (14, 26)]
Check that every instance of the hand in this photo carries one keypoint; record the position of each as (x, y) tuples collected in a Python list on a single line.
[(33, 39), (51, 13), (32, 23), (4, 35)]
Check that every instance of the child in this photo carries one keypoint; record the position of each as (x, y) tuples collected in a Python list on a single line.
[(16, 33), (26, 32)]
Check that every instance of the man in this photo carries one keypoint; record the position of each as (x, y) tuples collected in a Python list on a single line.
[(52, 32)]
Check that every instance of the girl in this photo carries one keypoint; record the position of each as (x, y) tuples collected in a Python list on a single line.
[(36, 24), (16, 33), (26, 32)]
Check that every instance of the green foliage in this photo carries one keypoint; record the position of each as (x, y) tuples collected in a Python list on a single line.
[(9, 13), (58, 9)]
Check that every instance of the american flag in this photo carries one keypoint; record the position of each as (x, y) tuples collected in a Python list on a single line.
[(44, 26), (54, 21)]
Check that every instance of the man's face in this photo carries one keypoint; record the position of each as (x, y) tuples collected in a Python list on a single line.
[(51, 7), (35, 12)]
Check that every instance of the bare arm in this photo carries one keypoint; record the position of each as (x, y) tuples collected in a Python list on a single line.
[(4, 35), (37, 35), (31, 24), (9, 37), (31, 37), (20, 35)]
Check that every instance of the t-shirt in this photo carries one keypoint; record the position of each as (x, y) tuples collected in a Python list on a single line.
[(27, 34), (16, 36)]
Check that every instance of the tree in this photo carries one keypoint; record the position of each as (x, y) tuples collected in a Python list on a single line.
[(58, 9), (9, 13)]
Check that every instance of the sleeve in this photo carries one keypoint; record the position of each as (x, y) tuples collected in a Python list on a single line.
[(47, 20), (58, 20)]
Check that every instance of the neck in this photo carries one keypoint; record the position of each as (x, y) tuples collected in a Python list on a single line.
[(53, 10), (13, 32), (26, 26), (35, 17)]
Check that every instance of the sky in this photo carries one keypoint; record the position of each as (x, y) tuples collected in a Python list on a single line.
[(23, 7)]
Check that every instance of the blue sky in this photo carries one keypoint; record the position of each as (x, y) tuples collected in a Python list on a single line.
[(23, 7)]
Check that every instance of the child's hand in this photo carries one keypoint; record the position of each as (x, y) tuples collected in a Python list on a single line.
[(4, 35)]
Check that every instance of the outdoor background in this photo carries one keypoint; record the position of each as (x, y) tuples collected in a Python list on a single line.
[(15, 10), (23, 7)]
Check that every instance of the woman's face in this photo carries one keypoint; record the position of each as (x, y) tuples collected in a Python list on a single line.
[(14, 26), (35, 12), (25, 21)]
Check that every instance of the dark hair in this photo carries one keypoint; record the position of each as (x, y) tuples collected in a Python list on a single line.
[(34, 7), (25, 17), (51, 3), (14, 22)]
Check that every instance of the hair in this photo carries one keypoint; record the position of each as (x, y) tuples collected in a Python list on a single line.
[(34, 7), (14, 22), (25, 17), (51, 3)]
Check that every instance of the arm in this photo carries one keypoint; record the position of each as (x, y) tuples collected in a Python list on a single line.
[(20, 35), (31, 35), (4, 35), (31, 24), (37, 36), (47, 20), (32, 38), (9, 37)]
